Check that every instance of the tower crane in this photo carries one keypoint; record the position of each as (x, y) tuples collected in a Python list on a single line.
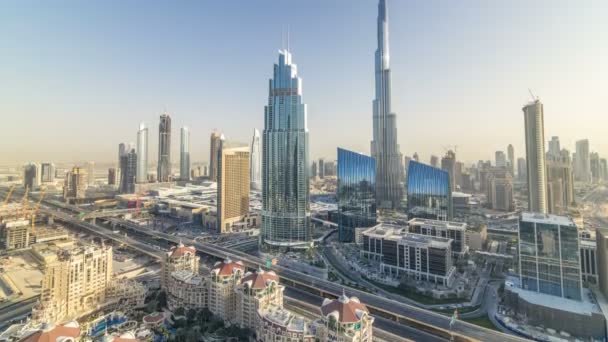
[(35, 211), (24, 201), (8, 196)]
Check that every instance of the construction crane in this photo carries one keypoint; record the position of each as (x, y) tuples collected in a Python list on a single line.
[(534, 98), (33, 231), (8, 196), (24, 201)]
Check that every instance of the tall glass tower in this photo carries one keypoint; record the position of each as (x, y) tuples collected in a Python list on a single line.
[(285, 181), (255, 168), (142, 154), (164, 148), (384, 146), (535, 155), (184, 154), (356, 194)]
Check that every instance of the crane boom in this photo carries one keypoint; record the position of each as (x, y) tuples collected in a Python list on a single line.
[(8, 196)]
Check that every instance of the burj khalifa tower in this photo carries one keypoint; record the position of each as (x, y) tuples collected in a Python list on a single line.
[(390, 176)]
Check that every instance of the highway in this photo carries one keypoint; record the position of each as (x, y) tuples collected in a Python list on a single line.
[(418, 318), (14, 313)]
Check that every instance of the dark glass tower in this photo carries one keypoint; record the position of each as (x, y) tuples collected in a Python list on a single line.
[(164, 148), (356, 193)]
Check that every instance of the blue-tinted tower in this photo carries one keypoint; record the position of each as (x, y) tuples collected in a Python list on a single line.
[(356, 193), (428, 192)]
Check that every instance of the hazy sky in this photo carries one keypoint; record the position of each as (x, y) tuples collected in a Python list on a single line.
[(77, 77)]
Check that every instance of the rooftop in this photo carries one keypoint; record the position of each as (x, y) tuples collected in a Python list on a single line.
[(397, 233), (438, 224), (345, 309), (285, 318), (547, 219), (227, 268), (260, 279), (187, 277)]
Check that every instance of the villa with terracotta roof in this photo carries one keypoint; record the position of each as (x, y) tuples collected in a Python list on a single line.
[(179, 258), (345, 320), (68, 332), (257, 290), (224, 278)]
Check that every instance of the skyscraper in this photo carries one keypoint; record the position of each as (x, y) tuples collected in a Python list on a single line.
[(216, 139), (32, 176), (595, 167), (384, 146), (560, 182), (434, 161), (583, 162), (511, 156), (75, 185), (128, 168), (255, 167), (500, 159), (522, 169), (122, 149), (356, 194), (429, 193), (321, 166), (90, 173), (554, 147), (448, 164), (535, 156), (142, 154), (285, 166), (233, 184), (184, 154), (163, 173), (48, 172)]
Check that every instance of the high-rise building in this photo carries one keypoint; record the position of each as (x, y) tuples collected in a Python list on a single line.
[(90, 173), (75, 185), (560, 182), (48, 172), (225, 276), (313, 170), (604, 169), (434, 161), (344, 327), (448, 164), (522, 169), (501, 159), (122, 149), (601, 238), (511, 156), (428, 192), (549, 256), (330, 169), (256, 162), (32, 175), (499, 190), (178, 258), (232, 185), (535, 156), (321, 168), (74, 281), (595, 167), (384, 146), (184, 154), (458, 166), (215, 142), (356, 194), (128, 169), (112, 176), (163, 173), (285, 181), (142, 154), (582, 168), (554, 147), (415, 157), (257, 291)]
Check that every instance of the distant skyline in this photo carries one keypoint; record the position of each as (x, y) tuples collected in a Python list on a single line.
[(79, 77)]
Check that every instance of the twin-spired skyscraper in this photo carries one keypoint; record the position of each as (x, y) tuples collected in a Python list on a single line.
[(285, 180), (384, 147)]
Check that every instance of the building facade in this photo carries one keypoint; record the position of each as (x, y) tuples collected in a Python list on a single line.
[(257, 291), (224, 279), (535, 156), (444, 229), (285, 180), (499, 189), (345, 319), (384, 146), (356, 193), (583, 161), (601, 240), (32, 176), (75, 185), (549, 255), (588, 251), (560, 182), (178, 258), (163, 173), (233, 185), (48, 173), (128, 169), (429, 192), (255, 166)]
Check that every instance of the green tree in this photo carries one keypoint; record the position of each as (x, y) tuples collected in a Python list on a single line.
[(162, 300)]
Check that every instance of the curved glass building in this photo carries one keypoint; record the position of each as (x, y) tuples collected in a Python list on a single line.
[(428, 192), (356, 193), (285, 180)]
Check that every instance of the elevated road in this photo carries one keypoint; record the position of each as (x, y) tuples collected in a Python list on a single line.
[(420, 319)]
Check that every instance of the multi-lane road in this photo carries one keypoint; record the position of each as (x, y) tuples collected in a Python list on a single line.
[(406, 314)]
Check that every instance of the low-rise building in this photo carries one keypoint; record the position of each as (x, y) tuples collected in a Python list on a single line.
[(346, 320), (445, 229), (188, 290), (126, 293), (257, 291), (422, 257), (278, 324)]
